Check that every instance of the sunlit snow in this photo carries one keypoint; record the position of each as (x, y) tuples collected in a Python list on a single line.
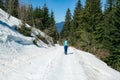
[(20, 59)]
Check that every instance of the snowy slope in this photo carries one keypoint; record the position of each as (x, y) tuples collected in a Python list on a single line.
[(12, 20), (8, 33), (8, 27), (20, 59)]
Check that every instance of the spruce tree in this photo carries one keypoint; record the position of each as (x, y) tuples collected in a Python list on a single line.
[(90, 23), (52, 29), (12, 7), (93, 14), (108, 22), (113, 36), (75, 23), (67, 25), (1, 4), (77, 11), (23, 13), (30, 19), (15, 8), (110, 4), (46, 18), (38, 17), (8, 7)]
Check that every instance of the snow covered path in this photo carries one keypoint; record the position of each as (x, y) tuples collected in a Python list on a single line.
[(52, 64), (20, 59)]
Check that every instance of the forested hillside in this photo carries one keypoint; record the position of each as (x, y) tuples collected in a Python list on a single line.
[(95, 30)]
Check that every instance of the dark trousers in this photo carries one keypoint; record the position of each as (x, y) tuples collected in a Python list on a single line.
[(65, 49)]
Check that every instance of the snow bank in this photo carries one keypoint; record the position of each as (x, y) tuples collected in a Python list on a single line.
[(8, 31), (95, 68), (9, 34), (12, 21), (42, 34)]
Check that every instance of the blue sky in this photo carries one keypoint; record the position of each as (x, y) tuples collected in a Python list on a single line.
[(59, 7)]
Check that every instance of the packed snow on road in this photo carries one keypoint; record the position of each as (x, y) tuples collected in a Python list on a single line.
[(33, 63), (20, 59)]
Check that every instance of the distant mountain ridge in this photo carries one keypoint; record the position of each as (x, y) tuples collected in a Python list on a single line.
[(59, 26)]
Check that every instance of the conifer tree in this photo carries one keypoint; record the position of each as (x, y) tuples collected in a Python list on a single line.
[(23, 13), (113, 36), (30, 19), (93, 13), (1, 3), (15, 8), (108, 22), (90, 21), (52, 29), (74, 31), (110, 4), (12, 7), (38, 17), (46, 18), (67, 25), (9, 7), (77, 11)]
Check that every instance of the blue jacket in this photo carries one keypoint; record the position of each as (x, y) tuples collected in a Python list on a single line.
[(65, 43)]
